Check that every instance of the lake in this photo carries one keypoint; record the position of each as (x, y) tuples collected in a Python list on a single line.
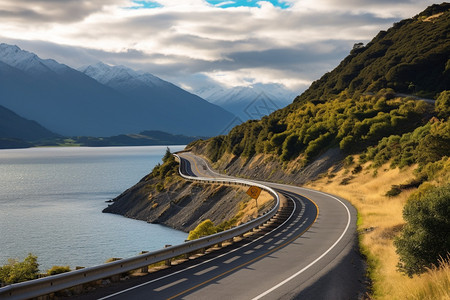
[(51, 202)]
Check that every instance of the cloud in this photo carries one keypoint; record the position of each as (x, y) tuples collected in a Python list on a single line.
[(289, 42), (47, 11)]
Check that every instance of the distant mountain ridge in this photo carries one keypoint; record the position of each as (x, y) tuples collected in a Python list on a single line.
[(71, 103), (240, 100)]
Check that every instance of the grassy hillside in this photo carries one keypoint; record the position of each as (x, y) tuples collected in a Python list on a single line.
[(365, 131)]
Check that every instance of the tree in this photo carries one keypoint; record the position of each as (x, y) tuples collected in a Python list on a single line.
[(17, 271), (425, 237), (167, 155)]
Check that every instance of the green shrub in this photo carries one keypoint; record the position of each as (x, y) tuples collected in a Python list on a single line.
[(58, 270), (17, 271), (425, 237), (394, 191), (203, 229)]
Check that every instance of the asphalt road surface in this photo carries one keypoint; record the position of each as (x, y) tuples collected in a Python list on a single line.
[(309, 252)]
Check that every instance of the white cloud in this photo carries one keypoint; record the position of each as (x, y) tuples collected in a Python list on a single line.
[(184, 39)]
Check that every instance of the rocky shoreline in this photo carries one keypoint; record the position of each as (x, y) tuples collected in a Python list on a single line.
[(182, 205)]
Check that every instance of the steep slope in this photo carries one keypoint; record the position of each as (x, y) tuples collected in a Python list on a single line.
[(165, 106), (412, 57), (12, 126), (71, 103)]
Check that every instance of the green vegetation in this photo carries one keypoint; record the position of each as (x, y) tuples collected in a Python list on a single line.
[(58, 270), (203, 229), (411, 57), (425, 238), (17, 271), (169, 166), (356, 105), (305, 129)]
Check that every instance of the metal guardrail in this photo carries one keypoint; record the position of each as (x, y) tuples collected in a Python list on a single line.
[(51, 284)]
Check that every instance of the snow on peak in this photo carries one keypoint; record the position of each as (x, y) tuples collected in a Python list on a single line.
[(27, 61), (107, 74)]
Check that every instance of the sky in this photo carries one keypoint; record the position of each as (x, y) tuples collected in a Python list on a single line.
[(200, 43)]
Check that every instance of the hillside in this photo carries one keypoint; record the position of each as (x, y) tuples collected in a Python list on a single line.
[(351, 118), (71, 103), (17, 132), (412, 57), (364, 132)]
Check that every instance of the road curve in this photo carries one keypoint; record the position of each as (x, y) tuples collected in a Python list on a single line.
[(311, 254)]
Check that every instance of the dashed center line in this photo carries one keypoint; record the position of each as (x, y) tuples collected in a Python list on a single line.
[(170, 285), (232, 259), (206, 270)]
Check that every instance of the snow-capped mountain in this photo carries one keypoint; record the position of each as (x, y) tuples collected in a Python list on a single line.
[(27, 61), (121, 75), (116, 101), (250, 102)]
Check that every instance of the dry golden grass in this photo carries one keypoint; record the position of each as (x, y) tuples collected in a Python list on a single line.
[(380, 219), (248, 207), (434, 284)]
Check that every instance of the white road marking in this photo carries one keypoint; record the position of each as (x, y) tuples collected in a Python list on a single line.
[(206, 270), (317, 259), (206, 261), (232, 259), (161, 288)]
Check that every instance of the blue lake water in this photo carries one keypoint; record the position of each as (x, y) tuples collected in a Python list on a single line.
[(51, 202)]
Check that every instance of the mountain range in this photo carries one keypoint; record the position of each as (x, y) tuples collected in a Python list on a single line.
[(248, 102), (101, 100)]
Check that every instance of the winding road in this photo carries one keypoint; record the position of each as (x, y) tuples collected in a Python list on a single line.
[(309, 253)]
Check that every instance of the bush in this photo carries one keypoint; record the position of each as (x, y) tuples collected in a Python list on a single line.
[(394, 191), (17, 271), (442, 106), (58, 270), (203, 229), (425, 237)]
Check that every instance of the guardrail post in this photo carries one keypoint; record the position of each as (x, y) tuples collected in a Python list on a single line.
[(144, 269), (169, 260)]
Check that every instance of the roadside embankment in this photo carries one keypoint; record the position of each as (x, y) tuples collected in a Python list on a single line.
[(163, 197)]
